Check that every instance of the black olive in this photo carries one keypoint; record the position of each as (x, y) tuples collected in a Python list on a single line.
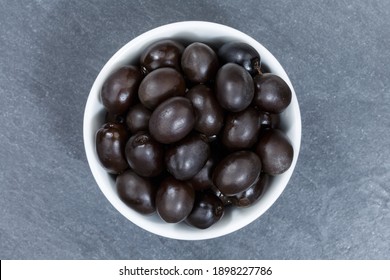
[(241, 129), (145, 155), (174, 200), (253, 194), (272, 94), (209, 114), (137, 118), (186, 158), (172, 120), (199, 62), (234, 87), (163, 53), (208, 209), (111, 139), (237, 172), (160, 85), (242, 54), (137, 192), (119, 91), (275, 151)]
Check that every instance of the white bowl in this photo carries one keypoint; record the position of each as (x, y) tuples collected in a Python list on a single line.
[(188, 31)]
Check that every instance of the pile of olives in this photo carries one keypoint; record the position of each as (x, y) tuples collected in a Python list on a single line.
[(192, 130)]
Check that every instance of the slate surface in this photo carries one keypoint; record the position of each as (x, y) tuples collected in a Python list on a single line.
[(337, 204)]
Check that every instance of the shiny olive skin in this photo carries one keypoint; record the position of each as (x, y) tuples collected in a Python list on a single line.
[(272, 94), (119, 91), (174, 200), (137, 118), (234, 87), (111, 139), (199, 62), (163, 53), (208, 209), (209, 114), (137, 192), (275, 151), (241, 129), (242, 54), (268, 120), (226, 200), (253, 194), (172, 120), (187, 157), (203, 179), (237, 172), (159, 85), (145, 155)]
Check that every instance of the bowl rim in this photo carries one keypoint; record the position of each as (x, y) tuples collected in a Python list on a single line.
[(148, 223)]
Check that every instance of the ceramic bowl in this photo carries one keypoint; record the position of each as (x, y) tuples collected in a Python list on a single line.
[(190, 31)]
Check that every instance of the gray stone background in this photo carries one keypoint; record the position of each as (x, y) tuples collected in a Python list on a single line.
[(337, 204)]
